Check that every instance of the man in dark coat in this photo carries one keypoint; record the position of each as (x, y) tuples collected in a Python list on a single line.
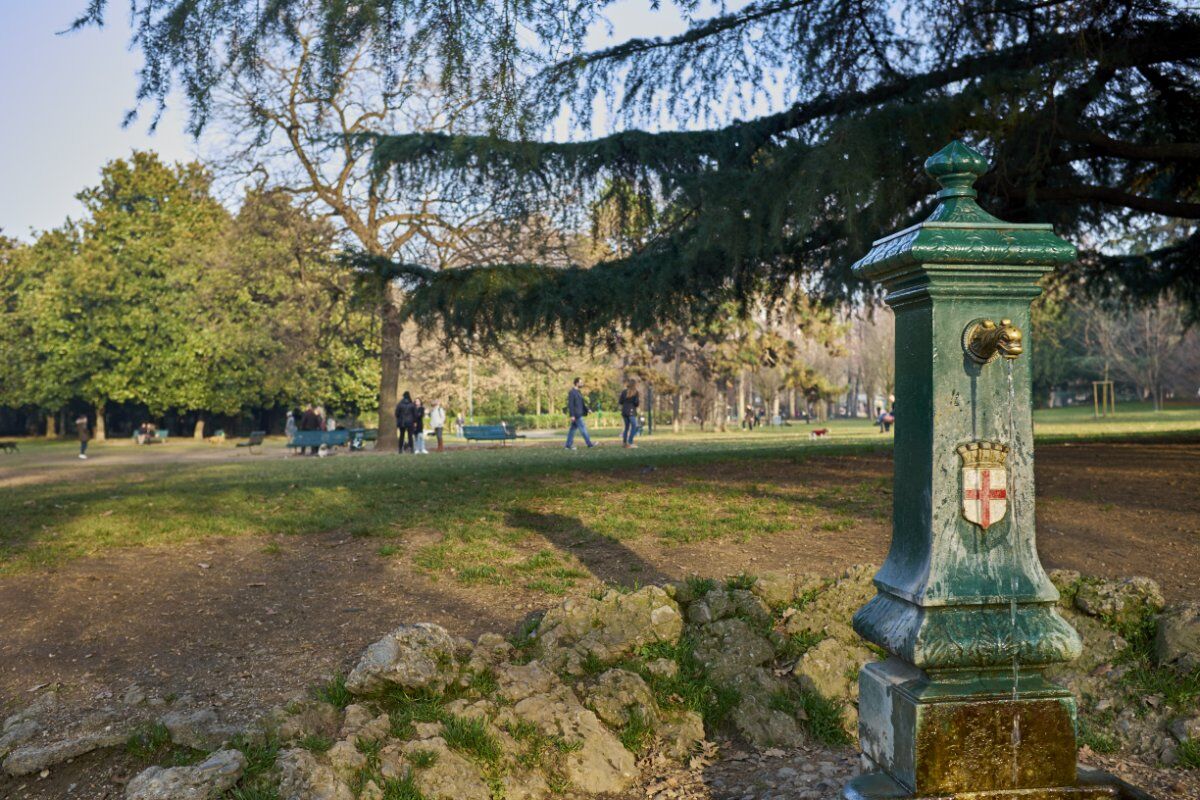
[(310, 420), (577, 409), (406, 421)]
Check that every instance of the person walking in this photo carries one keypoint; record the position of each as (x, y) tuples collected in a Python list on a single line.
[(81, 425), (629, 401), (419, 428), (437, 421), (577, 409), (404, 421)]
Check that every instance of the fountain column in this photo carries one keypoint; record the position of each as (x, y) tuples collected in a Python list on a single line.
[(960, 708)]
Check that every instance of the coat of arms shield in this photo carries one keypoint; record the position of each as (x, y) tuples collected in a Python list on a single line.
[(984, 482)]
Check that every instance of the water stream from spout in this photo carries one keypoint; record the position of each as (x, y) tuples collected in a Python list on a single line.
[(1015, 642)]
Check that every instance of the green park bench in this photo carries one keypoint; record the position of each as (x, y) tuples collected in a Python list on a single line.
[(304, 439), (490, 433), (159, 437), (255, 440)]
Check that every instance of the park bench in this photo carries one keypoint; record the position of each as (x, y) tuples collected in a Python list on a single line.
[(360, 436), (255, 440), (490, 433), (304, 439), (159, 437)]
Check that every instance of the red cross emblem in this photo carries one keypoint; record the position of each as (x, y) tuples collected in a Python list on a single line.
[(985, 495)]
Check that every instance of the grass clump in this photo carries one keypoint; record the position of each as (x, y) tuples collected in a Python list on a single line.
[(800, 643), (334, 692), (1189, 754), (698, 587), (1097, 734), (691, 687), (315, 743), (406, 708), (148, 741), (471, 736), (742, 581), (257, 781), (820, 717), (423, 759), (637, 733), (404, 788)]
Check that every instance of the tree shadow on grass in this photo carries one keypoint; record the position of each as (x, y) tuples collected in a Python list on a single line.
[(605, 557)]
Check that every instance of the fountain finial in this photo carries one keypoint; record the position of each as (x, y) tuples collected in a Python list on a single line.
[(956, 167)]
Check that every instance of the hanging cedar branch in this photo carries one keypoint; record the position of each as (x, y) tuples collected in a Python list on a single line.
[(1087, 109)]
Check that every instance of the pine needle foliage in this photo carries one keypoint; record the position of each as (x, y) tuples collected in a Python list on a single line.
[(1086, 109)]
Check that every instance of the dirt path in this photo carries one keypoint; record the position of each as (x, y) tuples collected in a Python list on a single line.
[(246, 622)]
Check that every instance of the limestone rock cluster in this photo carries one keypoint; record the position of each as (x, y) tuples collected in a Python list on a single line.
[(582, 698)]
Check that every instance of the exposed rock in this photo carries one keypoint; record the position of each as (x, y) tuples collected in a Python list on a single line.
[(1088, 675), (1119, 601), (777, 589), (305, 718), (618, 694), (17, 731), (345, 760), (601, 764), (354, 718), (1177, 641), (490, 650), (754, 717), (420, 656), (662, 668), (200, 729), (204, 781), (1185, 728), (728, 647), (680, 733), (518, 681), (830, 670), (1065, 580), (609, 628), (303, 777), (764, 726), (450, 777), (525, 786), (32, 758), (834, 607)]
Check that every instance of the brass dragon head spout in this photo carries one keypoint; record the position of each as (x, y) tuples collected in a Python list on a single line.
[(984, 339)]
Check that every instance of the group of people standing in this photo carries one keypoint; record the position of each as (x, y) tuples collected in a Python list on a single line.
[(311, 418), (410, 424)]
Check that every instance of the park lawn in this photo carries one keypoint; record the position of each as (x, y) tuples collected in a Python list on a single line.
[(487, 515)]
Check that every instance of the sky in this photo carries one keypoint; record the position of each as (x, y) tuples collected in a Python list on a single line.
[(64, 96), (63, 99)]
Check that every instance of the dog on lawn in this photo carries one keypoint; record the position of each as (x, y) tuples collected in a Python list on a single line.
[(9, 447), (817, 433)]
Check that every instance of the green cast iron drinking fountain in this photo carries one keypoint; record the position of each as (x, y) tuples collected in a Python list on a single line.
[(960, 709)]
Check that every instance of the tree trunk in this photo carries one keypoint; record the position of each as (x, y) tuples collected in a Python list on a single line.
[(100, 427), (198, 431), (52, 425), (792, 403), (741, 406), (390, 356), (676, 405), (720, 414)]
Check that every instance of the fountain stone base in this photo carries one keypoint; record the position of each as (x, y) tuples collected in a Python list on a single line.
[(1091, 785), (961, 731)]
